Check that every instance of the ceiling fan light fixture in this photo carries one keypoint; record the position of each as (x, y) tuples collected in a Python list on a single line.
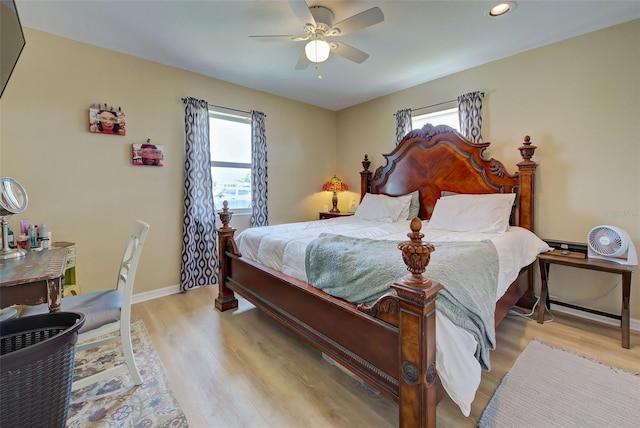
[(501, 8), (317, 50)]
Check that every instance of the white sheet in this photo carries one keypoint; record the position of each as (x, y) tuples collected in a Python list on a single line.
[(282, 247)]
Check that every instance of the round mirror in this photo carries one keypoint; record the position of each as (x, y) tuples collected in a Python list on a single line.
[(13, 197), (13, 200)]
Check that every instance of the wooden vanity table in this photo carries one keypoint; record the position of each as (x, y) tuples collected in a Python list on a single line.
[(35, 278)]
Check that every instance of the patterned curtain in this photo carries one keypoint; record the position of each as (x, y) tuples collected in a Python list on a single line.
[(199, 235), (403, 124), (470, 115), (259, 213)]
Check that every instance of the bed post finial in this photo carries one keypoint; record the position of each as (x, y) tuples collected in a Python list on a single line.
[(526, 151), (366, 163), (225, 215), (416, 253)]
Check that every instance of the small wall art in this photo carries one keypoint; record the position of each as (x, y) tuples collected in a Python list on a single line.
[(106, 120), (147, 154)]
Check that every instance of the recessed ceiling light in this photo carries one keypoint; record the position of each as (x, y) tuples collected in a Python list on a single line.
[(501, 8)]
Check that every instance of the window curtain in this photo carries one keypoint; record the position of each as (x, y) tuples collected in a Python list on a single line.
[(259, 213), (403, 124), (199, 235), (470, 115)]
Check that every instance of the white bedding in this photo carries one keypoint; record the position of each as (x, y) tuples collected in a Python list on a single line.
[(282, 247)]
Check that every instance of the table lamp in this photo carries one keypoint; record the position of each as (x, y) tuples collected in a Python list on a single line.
[(334, 185)]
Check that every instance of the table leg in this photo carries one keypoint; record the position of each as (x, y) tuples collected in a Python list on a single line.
[(544, 290), (54, 293), (626, 294)]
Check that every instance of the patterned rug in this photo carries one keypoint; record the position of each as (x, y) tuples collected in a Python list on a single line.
[(118, 402), (548, 387)]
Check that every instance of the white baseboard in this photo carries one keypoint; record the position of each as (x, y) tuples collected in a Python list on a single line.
[(634, 324), (154, 294)]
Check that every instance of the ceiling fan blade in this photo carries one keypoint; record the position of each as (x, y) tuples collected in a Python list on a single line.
[(281, 38), (362, 20), (349, 52), (277, 37), (303, 62), (301, 10)]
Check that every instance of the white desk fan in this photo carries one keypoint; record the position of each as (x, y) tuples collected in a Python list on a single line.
[(611, 243), (13, 200)]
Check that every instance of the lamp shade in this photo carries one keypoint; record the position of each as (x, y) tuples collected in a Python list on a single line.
[(317, 50), (335, 185)]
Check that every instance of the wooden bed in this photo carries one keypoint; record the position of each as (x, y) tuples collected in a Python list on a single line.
[(390, 344)]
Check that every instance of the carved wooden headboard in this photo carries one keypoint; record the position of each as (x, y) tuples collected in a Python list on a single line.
[(438, 159)]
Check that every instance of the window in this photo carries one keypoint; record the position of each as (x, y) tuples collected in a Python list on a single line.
[(447, 117), (230, 144)]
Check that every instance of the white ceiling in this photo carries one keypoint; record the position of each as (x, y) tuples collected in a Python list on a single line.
[(418, 41)]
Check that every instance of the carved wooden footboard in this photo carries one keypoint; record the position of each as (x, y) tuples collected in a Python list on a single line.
[(390, 344), (365, 339)]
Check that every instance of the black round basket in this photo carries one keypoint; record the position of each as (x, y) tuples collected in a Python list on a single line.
[(36, 369)]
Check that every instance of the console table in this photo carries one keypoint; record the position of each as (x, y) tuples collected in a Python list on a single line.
[(546, 259), (35, 278), (71, 287)]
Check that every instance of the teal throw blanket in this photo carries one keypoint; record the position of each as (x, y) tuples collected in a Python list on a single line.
[(361, 270)]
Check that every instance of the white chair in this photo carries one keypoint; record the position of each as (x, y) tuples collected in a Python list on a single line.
[(107, 311)]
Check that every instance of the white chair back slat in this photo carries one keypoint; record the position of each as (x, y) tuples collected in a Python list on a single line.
[(129, 264)]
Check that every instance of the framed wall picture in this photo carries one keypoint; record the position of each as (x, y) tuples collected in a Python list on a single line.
[(103, 120), (147, 154)]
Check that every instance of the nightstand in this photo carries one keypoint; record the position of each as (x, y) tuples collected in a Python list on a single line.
[(329, 214), (546, 259)]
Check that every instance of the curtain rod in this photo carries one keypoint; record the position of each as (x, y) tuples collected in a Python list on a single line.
[(226, 108), (433, 105), (439, 104), (229, 108)]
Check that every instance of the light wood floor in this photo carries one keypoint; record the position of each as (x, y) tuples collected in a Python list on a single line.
[(242, 369)]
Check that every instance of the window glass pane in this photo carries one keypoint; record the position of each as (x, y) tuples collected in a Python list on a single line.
[(230, 145), (232, 185), (230, 139), (447, 117)]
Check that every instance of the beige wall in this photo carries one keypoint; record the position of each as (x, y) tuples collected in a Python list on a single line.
[(84, 185), (579, 100)]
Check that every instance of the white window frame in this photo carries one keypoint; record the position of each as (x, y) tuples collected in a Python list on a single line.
[(221, 115), (447, 116)]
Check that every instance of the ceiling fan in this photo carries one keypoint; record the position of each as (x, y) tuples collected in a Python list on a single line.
[(318, 26)]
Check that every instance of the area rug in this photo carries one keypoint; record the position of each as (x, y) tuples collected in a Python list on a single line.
[(549, 387), (118, 402)]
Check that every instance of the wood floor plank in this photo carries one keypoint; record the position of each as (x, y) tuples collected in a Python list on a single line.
[(243, 369)]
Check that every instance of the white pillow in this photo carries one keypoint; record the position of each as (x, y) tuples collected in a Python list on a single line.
[(405, 203), (414, 206), (373, 208), (383, 208), (487, 213)]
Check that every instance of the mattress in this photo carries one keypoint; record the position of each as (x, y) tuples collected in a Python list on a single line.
[(282, 247)]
